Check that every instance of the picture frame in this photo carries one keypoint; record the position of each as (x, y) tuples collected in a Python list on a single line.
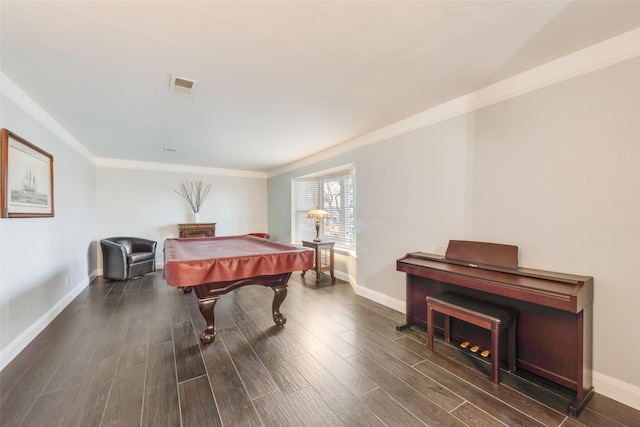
[(26, 179)]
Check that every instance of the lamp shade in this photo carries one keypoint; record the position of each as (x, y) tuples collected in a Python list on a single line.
[(317, 214)]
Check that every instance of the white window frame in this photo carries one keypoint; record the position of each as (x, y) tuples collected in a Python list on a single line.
[(342, 210)]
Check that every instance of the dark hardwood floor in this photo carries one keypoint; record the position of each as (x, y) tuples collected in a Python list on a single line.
[(127, 354)]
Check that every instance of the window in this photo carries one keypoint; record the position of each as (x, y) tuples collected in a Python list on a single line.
[(334, 193)]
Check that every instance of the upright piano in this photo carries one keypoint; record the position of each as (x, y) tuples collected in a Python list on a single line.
[(555, 332)]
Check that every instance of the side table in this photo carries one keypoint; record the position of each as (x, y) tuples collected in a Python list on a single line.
[(197, 230), (323, 259)]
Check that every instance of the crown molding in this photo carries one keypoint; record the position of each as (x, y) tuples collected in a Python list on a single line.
[(601, 55), (26, 103), (9, 89), (598, 56), (174, 168)]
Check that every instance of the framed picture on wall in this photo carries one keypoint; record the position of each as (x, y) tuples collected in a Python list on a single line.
[(26, 179)]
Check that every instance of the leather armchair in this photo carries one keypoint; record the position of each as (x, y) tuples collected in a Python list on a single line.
[(127, 257)]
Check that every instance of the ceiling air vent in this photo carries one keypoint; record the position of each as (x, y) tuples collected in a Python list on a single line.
[(182, 85)]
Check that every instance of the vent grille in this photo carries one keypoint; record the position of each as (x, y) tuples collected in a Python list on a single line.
[(182, 85)]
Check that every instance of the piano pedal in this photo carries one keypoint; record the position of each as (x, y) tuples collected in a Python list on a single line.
[(475, 348), (485, 353), (464, 344)]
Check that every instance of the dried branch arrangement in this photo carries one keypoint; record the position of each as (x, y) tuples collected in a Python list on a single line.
[(194, 192)]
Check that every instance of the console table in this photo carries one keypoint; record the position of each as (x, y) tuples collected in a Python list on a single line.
[(323, 259), (197, 230)]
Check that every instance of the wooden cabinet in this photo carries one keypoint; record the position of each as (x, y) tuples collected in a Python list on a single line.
[(197, 230), (323, 259)]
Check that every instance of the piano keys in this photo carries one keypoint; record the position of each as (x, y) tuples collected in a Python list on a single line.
[(555, 332)]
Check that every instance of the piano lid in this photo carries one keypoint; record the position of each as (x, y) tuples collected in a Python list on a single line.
[(494, 254)]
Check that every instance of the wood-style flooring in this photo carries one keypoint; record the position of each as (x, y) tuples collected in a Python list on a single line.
[(128, 354)]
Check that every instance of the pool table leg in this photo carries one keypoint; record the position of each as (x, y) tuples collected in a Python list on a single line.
[(206, 306), (279, 295)]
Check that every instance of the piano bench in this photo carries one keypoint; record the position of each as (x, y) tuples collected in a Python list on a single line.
[(481, 313)]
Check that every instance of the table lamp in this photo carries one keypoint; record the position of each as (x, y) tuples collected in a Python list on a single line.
[(317, 214)]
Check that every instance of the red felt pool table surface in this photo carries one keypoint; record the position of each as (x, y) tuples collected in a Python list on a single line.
[(194, 261)]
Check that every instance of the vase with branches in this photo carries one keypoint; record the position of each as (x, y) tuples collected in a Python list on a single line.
[(194, 192)]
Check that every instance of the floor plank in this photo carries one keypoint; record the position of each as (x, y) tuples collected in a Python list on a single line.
[(49, 409), (124, 406), (499, 400), (25, 392), (188, 357), (234, 404), (87, 406), (161, 404), (301, 408), (349, 408), (418, 404), (437, 391), (255, 377), (12, 373), (198, 406), (351, 379), (473, 416), (389, 411), (128, 353)]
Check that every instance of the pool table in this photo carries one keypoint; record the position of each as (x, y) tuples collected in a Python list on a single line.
[(213, 266)]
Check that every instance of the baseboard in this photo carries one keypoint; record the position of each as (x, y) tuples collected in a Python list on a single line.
[(159, 266), (21, 341), (343, 276), (380, 298), (616, 389)]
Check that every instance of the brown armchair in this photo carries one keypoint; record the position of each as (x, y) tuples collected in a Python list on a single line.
[(127, 257)]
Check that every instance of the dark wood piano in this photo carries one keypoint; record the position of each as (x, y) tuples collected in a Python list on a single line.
[(554, 337)]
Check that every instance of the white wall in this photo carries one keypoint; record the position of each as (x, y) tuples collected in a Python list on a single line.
[(554, 171), (558, 173), (143, 203), (45, 262)]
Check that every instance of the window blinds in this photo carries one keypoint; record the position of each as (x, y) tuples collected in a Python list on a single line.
[(335, 194)]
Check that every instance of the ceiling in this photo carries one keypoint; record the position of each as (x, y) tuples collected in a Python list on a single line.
[(277, 81)]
